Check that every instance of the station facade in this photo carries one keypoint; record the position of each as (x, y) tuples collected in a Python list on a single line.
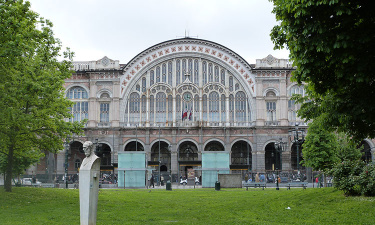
[(179, 99)]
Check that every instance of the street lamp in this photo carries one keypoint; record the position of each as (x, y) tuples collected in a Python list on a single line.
[(136, 137), (66, 145), (279, 147), (297, 137)]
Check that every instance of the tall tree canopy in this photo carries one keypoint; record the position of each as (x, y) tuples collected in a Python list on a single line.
[(320, 147), (332, 44), (33, 107)]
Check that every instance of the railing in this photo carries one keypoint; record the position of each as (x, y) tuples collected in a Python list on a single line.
[(189, 124)]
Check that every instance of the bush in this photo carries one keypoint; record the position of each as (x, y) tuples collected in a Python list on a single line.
[(347, 176), (367, 180)]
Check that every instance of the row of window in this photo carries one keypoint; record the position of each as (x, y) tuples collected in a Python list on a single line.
[(161, 107), (213, 107), (183, 69)]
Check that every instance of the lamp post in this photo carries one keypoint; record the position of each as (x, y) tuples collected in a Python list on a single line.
[(136, 137), (66, 161), (159, 158), (298, 138), (170, 152), (279, 147)]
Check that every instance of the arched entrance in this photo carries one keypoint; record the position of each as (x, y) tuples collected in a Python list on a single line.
[(134, 146), (366, 152), (106, 165), (163, 159), (188, 161), (214, 146), (272, 157), (241, 157)]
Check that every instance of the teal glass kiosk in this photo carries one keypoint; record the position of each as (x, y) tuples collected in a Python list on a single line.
[(132, 169), (214, 163)]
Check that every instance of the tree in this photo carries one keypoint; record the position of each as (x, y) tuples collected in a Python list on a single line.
[(320, 147), (34, 109), (332, 45)]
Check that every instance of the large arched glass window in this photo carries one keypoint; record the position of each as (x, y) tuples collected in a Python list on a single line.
[(214, 107), (152, 109), (152, 77), (161, 107), (80, 109), (143, 84), (183, 69), (210, 73), (196, 71), (231, 108), (223, 77), (196, 107), (157, 74), (240, 106), (144, 107), (216, 74), (223, 119), (178, 71), (190, 67), (164, 73), (170, 108), (134, 107), (204, 110), (204, 71), (170, 73), (178, 108)]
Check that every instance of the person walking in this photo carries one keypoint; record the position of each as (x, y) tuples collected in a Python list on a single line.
[(257, 177), (152, 181)]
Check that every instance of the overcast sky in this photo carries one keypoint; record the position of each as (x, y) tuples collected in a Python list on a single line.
[(122, 29)]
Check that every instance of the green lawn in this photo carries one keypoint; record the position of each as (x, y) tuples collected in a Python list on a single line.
[(192, 206)]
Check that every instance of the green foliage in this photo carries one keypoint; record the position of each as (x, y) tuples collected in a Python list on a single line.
[(189, 206), (34, 108), (320, 147), (332, 45), (367, 180), (346, 177), (347, 148)]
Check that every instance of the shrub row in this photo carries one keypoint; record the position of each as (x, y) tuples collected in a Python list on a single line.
[(354, 178)]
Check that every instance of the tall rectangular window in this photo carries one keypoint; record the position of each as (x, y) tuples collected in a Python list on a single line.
[(104, 112), (271, 111)]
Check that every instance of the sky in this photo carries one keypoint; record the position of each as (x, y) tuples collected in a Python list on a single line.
[(121, 29)]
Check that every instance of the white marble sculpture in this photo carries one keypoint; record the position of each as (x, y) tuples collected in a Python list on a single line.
[(89, 174)]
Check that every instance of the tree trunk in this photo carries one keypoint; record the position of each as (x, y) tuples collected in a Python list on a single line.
[(9, 170)]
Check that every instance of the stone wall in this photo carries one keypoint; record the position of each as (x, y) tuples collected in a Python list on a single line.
[(230, 180)]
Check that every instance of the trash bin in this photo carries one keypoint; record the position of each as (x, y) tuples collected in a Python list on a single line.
[(168, 187), (217, 186)]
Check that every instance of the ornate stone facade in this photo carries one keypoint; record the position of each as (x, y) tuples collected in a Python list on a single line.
[(189, 96)]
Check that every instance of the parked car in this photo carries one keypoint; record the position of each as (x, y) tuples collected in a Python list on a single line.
[(29, 181)]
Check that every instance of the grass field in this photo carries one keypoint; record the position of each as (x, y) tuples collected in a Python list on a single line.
[(192, 206)]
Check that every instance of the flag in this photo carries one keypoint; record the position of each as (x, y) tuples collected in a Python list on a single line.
[(184, 114), (191, 113)]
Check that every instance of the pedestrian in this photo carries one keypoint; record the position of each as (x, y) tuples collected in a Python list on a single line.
[(257, 177), (262, 179), (246, 177), (152, 181)]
